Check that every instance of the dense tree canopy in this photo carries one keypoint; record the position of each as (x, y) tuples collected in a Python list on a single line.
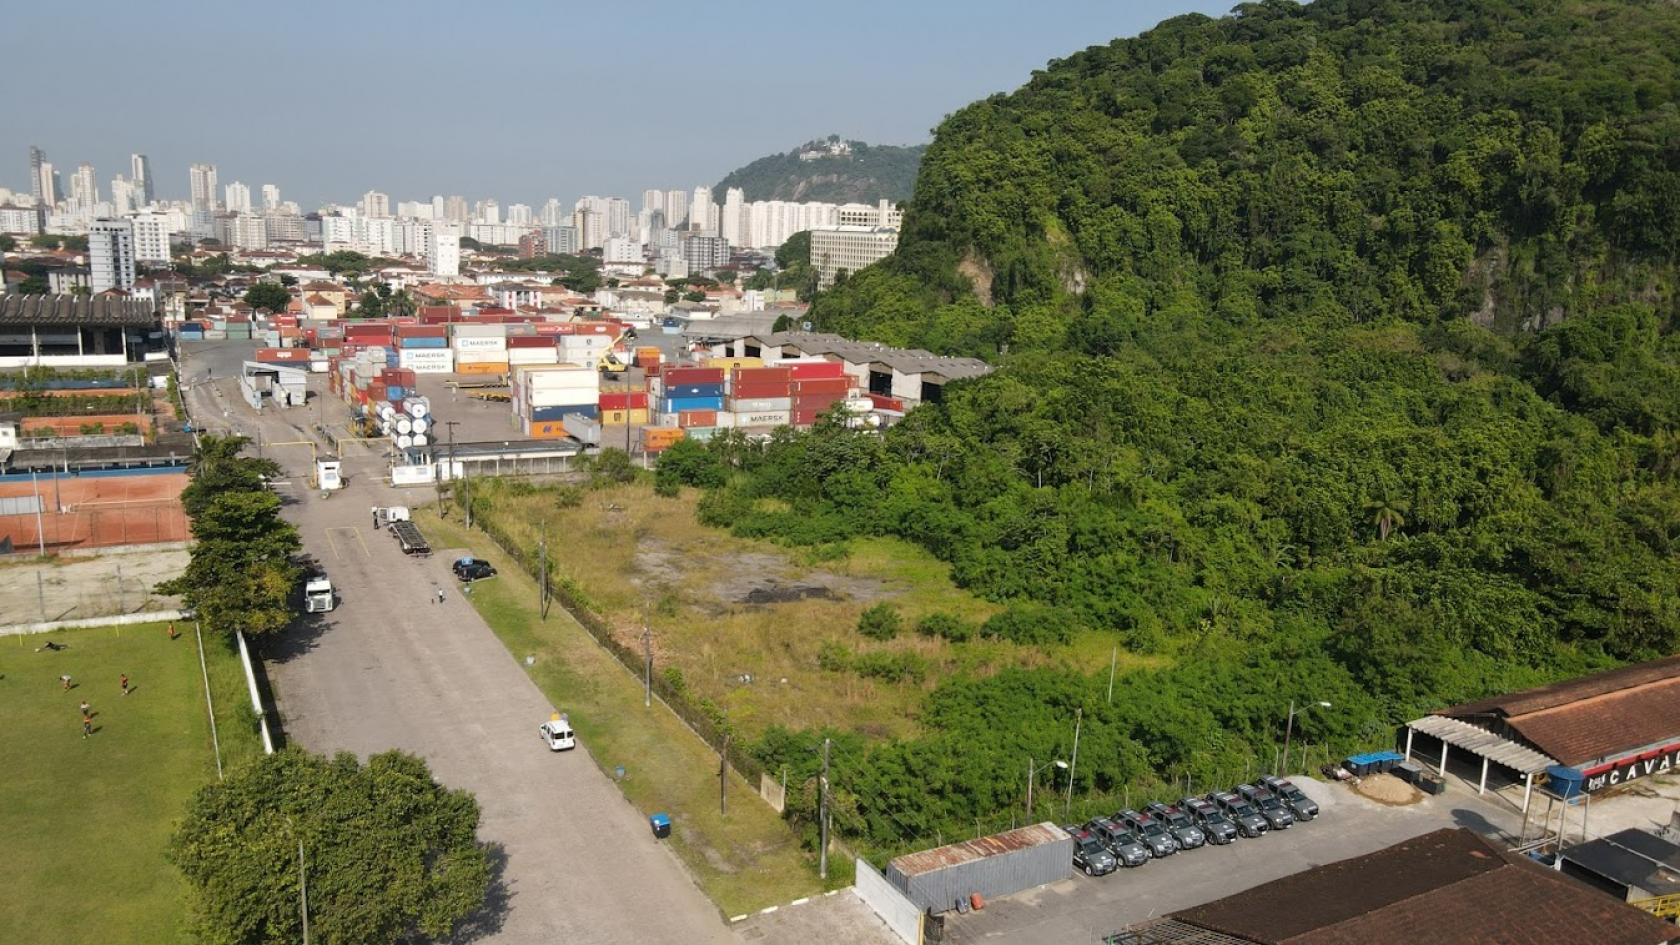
[(1337, 361), (387, 853)]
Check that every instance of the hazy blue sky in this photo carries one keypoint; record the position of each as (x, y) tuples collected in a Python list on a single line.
[(517, 101)]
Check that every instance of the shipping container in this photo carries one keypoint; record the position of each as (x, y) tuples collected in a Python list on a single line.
[(993, 867), (422, 331), (692, 390), (822, 385), (619, 418), (547, 355), (480, 367), (816, 370), (546, 430), (696, 418), (658, 438), (886, 403), (672, 375), (761, 404), (497, 345), (461, 330), (760, 391), (762, 418), (529, 341), (680, 404), (422, 342), (763, 375), (280, 355), (731, 364), (623, 400)]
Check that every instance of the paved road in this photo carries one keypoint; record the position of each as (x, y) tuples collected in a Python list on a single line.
[(392, 669)]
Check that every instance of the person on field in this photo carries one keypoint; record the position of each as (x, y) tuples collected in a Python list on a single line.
[(65, 681), (124, 683), (87, 725)]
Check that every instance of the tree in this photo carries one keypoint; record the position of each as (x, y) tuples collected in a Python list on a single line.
[(44, 241), (400, 303), (34, 285), (370, 305), (268, 297), (217, 466), (1386, 515), (288, 280), (7, 242), (695, 296), (388, 855)]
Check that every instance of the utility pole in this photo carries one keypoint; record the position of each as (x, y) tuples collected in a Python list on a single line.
[(40, 528), (451, 425), (303, 892), (542, 578), (1113, 659), (723, 776), (647, 656), (1029, 788), (822, 814), (1073, 763)]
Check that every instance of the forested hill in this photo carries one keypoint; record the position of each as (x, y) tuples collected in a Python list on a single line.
[(861, 173), (1341, 365)]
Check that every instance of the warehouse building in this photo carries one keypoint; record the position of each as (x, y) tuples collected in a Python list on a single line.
[(908, 374), (1450, 887), (73, 331), (1596, 731)]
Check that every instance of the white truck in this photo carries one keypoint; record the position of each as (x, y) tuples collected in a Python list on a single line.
[(384, 515), (318, 595)]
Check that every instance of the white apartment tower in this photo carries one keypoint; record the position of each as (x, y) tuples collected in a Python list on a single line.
[(443, 249), (732, 224), (271, 197), (123, 196), (376, 204), (676, 208), (110, 255), (140, 175), (701, 211), (151, 238), (238, 197), (618, 217), (84, 190), (202, 178)]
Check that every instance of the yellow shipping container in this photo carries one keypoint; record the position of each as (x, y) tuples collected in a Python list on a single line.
[(730, 364), (617, 418), (486, 367)]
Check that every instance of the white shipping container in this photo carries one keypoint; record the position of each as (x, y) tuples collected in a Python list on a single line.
[(559, 398), (768, 418), (417, 406), (427, 360), (478, 330), (480, 343), (724, 420), (565, 380), (533, 355), (480, 357), (762, 405)]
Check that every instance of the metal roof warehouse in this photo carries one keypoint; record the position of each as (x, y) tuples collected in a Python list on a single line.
[(909, 374), (71, 331), (1604, 729)]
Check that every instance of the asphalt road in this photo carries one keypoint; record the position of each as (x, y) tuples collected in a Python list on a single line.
[(390, 668)]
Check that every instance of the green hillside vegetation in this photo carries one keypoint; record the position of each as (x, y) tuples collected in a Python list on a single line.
[(1337, 362), (869, 173)]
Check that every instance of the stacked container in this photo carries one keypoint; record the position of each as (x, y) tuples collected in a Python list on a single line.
[(621, 407), (525, 349), (761, 397), (544, 394), (408, 422), (479, 349), (424, 349), (659, 439)]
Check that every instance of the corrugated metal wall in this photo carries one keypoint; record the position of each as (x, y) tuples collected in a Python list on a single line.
[(991, 877)]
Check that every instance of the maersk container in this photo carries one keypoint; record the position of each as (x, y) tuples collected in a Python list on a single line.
[(994, 866)]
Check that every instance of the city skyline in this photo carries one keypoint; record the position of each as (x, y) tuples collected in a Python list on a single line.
[(589, 117)]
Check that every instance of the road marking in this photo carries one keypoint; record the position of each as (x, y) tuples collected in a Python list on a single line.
[(354, 531), (733, 918), (769, 910), (359, 541), (800, 902), (333, 545)]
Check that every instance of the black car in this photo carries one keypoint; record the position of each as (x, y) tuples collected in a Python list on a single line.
[(1248, 820), (1179, 823), (1218, 827), (1121, 842), (1152, 832), (1089, 855), (1303, 807), (1268, 804), (472, 569)]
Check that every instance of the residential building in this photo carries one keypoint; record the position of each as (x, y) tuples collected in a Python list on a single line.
[(836, 249), (19, 221), (284, 227), (84, 190), (140, 175), (653, 200), (123, 196), (377, 235), (202, 181), (676, 208), (487, 211), (703, 252), (338, 232), (443, 253), (702, 212), (618, 217), (732, 220), (414, 210), (554, 213), (39, 170), (270, 197), (110, 255), (248, 231), (238, 198), (621, 249), (455, 209), (532, 245), (151, 238), (438, 207), (562, 240), (376, 204), (519, 214)]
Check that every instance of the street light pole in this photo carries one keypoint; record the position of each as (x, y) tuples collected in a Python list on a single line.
[(1079, 716), (1288, 730)]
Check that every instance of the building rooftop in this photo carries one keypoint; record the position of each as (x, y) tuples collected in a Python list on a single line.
[(69, 310), (1631, 858), (1449, 887), (927, 861), (903, 360), (1590, 717)]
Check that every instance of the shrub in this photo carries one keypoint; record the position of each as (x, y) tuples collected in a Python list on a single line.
[(834, 657), (1030, 624), (880, 622), (946, 626), (891, 667)]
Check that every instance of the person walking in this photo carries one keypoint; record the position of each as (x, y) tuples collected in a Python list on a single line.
[(86, 709), (440, 595), (87, 725), (65, 681), (173, 633), (124, 684)]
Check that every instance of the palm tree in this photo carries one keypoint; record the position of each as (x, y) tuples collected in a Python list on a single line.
[(1387, 515)]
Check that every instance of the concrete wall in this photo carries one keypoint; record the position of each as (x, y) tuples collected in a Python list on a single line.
[(900, 914)]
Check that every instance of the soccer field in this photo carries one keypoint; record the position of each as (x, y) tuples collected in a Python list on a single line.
[(84, 822)]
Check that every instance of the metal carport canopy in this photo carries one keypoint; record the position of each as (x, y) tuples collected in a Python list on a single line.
[(1483, 743)]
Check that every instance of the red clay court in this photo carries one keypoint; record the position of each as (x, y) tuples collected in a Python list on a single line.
[(98, 511)]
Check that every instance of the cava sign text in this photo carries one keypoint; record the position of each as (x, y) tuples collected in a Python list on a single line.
[(1631, 769)]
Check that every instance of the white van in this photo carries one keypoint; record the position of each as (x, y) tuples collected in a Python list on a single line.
[(557, 732)]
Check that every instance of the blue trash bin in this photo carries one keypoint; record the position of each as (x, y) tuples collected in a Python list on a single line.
[(661, 824)]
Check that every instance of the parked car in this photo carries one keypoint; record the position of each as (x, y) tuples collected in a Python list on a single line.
[(1124, 844), (557, 733), (472, 569), (1218, 827), (1303, 807), (1152, 832), (1248, 820), (1268, 804), (1089, 855), (1179, 824)]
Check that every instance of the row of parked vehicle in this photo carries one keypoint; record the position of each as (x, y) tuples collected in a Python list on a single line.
[(1132, 838)]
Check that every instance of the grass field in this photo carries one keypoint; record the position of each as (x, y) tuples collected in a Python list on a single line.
[(630, 550), (86, 821), (744, 861)]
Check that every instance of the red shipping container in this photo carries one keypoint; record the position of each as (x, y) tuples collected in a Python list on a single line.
[(555, 328), (817, 402), (813, 370), (697, 418), (530, 341), (761, 391), (824, 385), (624, 400), (679, 376), (422, 331), (376, 390), (438, 319), (404, 320), (887, 403), (804, 418), (766, 375), (271, 355)]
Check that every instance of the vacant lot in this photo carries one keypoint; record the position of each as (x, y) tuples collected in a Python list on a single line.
[(744, 860), (87, 820), (73, 588), (745, 622)]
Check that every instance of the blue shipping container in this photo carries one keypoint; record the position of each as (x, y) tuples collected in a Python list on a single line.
[(556, 414), (679, 404), (694, 390), (422, 342)]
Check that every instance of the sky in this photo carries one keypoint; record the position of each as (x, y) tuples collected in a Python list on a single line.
[(518, 101)]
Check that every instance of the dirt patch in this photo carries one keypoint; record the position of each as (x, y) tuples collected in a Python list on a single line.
[(753, 579), (97, 586), (1388, 790), (788, 594)]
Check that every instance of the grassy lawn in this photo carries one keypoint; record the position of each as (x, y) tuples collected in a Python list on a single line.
[(86, 821), (633, 552), (744, 861)]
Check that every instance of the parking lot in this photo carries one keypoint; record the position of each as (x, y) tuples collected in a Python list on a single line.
[(1083, 909)]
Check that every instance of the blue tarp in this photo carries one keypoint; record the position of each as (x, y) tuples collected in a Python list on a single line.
[(1375, 757)]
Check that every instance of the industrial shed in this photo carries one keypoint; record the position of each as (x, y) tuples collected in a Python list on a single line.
[(1450, 887), (1604, 730), (71, 331), (993, 866), (904, 373)]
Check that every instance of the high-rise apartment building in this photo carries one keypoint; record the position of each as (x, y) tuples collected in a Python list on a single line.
[(676, 208), (84, 190), (701, 211), (653, 200), (443, 250), (487, 211), (201, 179), (732, 219), (110, 255), (519, 214), (562, 240), (140, 175), (376, 204), (248, 231), (238, 197), (704, 252), (270, 197), (37, 161), (554, 213), (621, 249), (151, 238), (618, 217), (124, 194), (836, 249)]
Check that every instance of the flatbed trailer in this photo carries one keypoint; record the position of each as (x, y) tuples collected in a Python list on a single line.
[(410, 540)]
